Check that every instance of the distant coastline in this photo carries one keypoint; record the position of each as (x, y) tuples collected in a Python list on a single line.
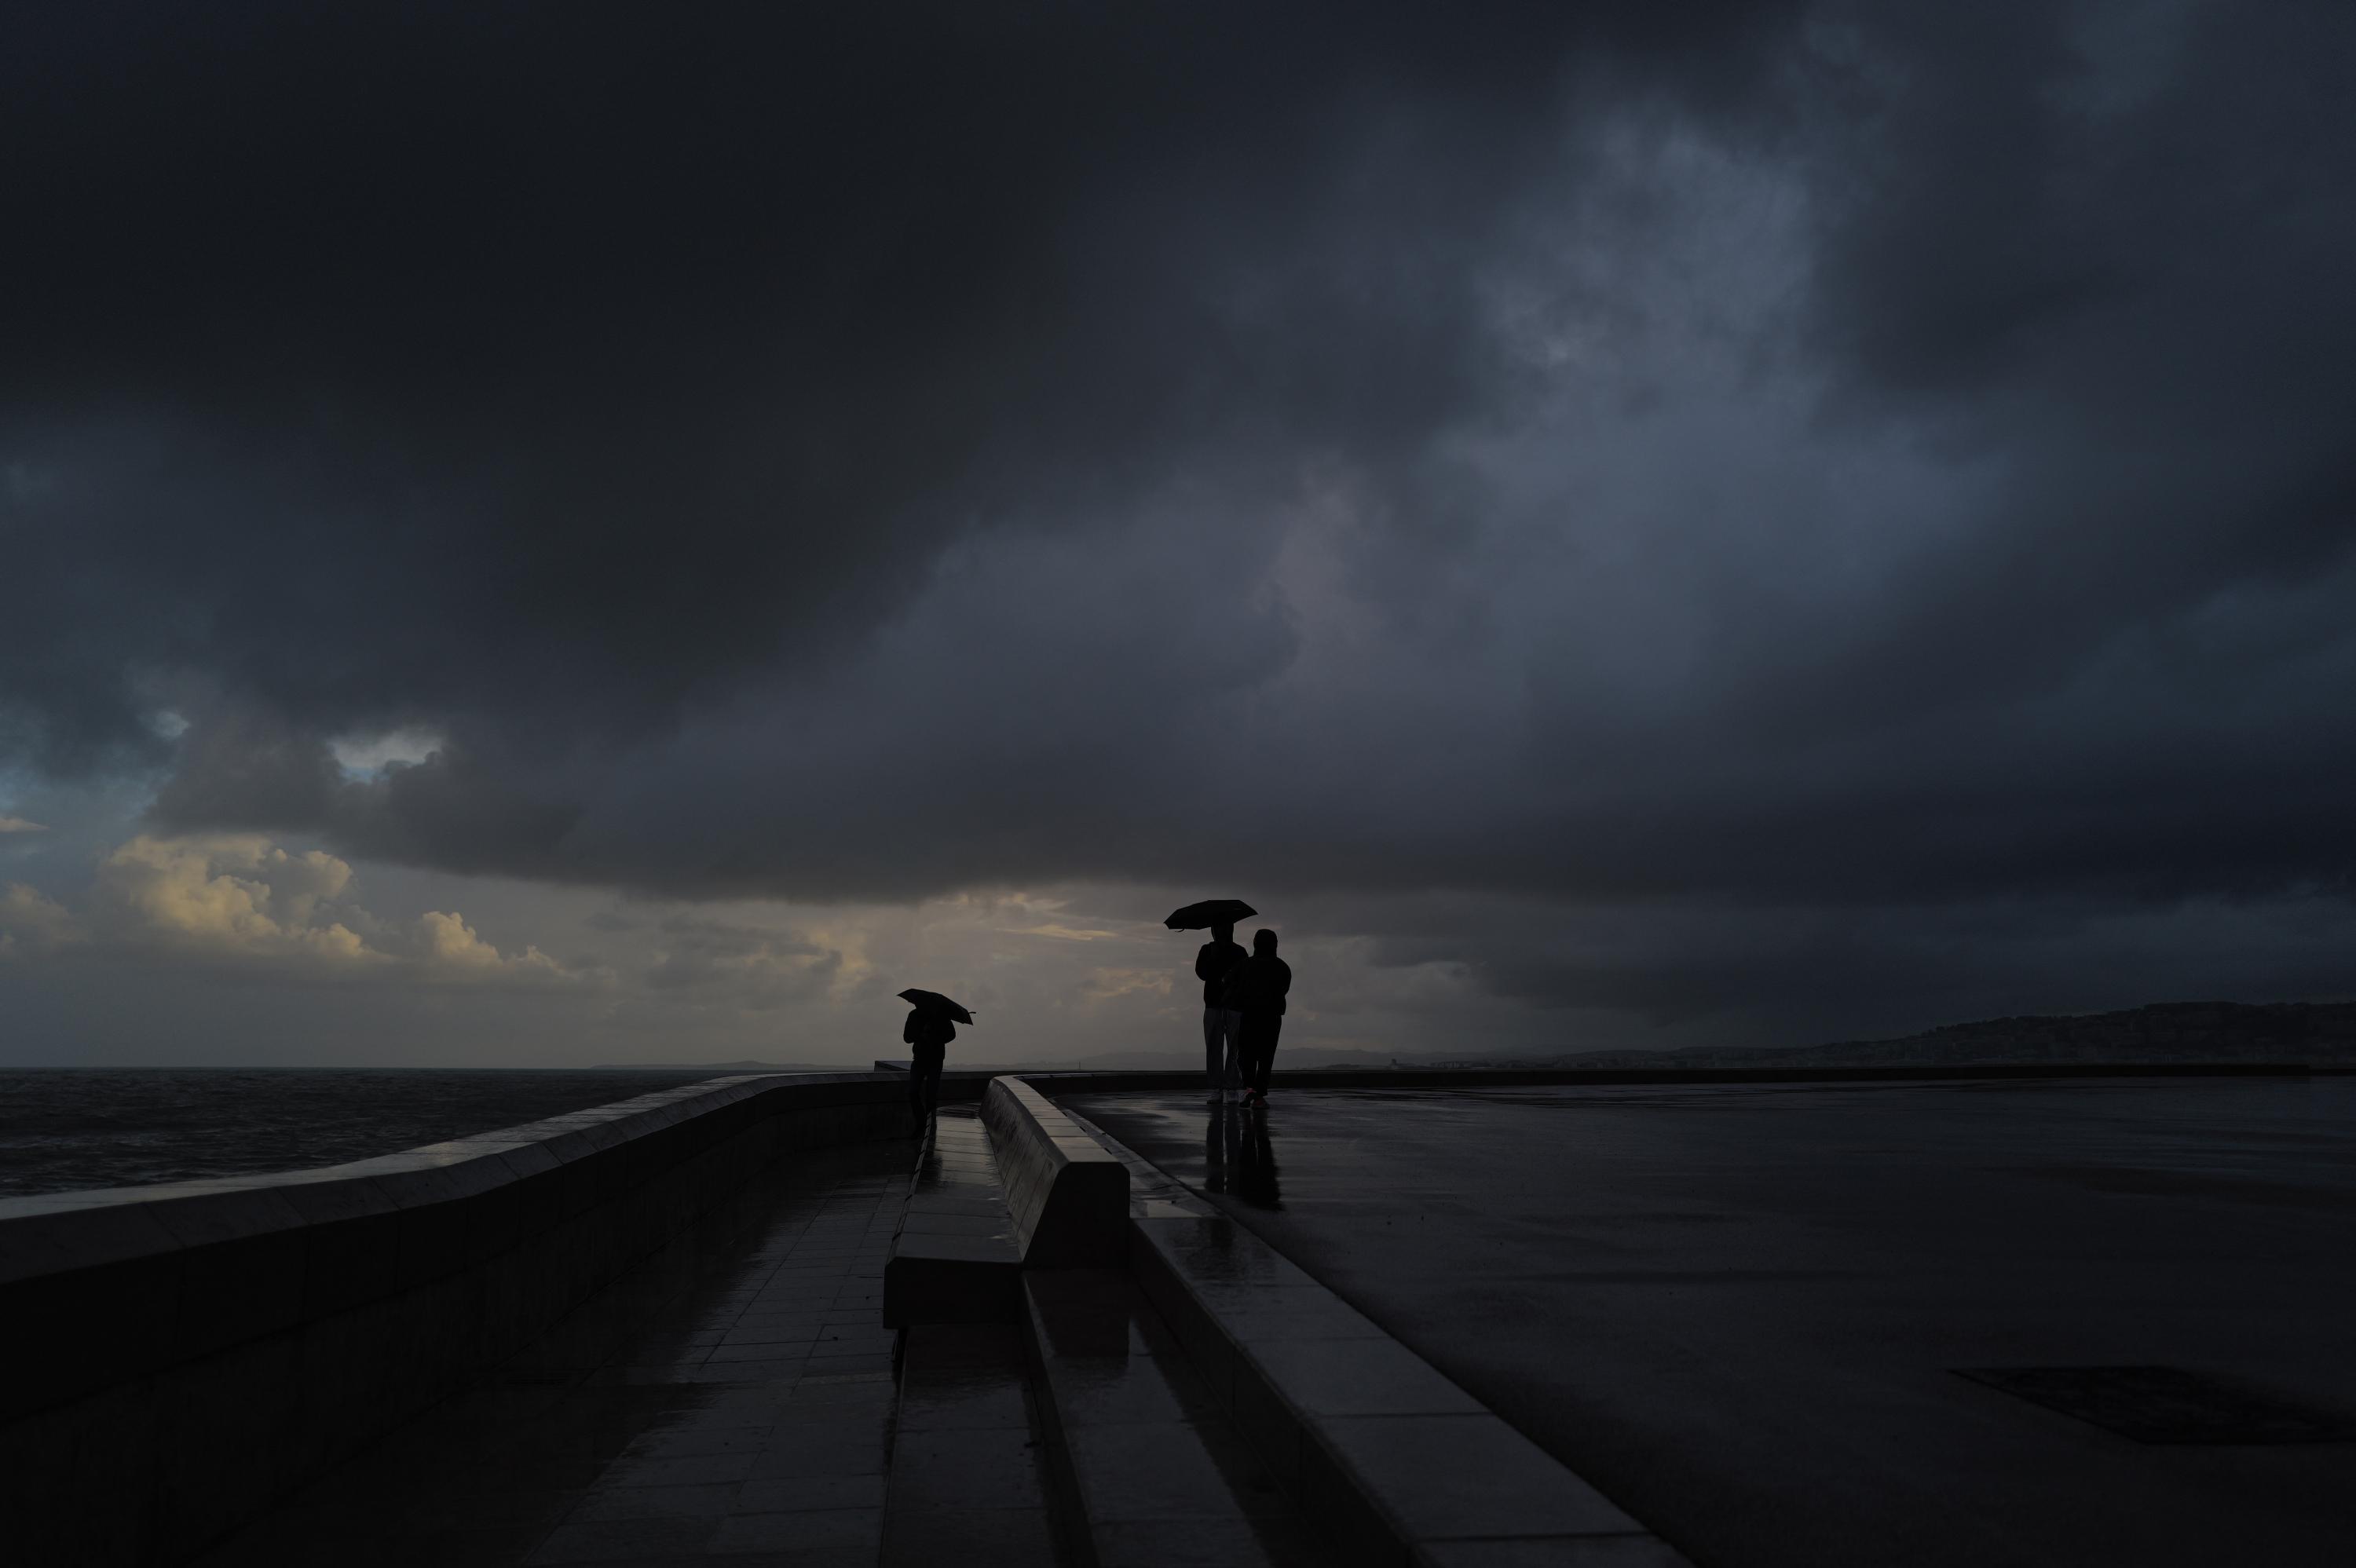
[(2317, 1034), (726, 1067), (2320, 1034)]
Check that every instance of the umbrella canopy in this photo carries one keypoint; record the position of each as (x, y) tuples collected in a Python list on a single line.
[(1209, 912), (933, 1001)]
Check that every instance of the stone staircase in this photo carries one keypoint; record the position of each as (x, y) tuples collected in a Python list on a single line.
[(1047, 1413), (1156, 1386)]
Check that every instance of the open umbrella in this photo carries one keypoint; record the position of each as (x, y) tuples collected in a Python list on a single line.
[(1209, 912), (933, 1001)]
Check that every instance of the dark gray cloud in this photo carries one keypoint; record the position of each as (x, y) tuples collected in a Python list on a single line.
[(551, 370), (1789, 465)]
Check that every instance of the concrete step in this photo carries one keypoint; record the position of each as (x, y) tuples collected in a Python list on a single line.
[(968, 1479), (1153, 1473), (1011, 1184), (958, 1258)]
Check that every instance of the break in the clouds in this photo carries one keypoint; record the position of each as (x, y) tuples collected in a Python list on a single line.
[(1665, 510), (246, 900)]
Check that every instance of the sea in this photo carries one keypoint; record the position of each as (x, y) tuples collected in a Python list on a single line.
[(63, 1129)]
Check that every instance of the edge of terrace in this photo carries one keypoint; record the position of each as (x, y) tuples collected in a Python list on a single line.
[(187, 1353), (183, 1356), (1392, 1459)]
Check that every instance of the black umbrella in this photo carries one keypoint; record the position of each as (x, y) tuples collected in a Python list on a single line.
[(933, 1001), (1209, 912)]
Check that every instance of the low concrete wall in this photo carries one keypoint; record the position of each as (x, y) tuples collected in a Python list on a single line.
[(179, 1357), (1021, 1187), (1069, 1197), (1395, 1463)]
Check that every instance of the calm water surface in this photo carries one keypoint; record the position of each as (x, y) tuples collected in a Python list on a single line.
[(67, 1128)]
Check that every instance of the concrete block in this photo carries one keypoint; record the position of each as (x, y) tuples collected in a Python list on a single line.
[(219, 1423), (37, 1457), (1070, 1203), (1356, 1377), (932, 1222), (951, 1279), (1219, 1259), (430, 1243), (114, 1440), (494, 1218), (1446, 1477), (60, 1237), (79, 1330), (232, 1292), (538, 1197), (1079, 1315), (1553, 1551), (1268, 1424), (1357, 1528)]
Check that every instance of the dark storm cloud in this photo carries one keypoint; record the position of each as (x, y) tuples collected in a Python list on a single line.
[(546, 366), (1807, 460)]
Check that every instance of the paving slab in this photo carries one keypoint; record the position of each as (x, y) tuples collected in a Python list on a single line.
[(968, 1480)]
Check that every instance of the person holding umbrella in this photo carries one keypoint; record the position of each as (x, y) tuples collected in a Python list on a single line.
[(1212, 960), (932, 1024)]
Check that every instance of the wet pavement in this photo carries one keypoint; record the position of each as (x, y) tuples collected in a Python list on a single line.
[(1742, 1310), (729, 1402)]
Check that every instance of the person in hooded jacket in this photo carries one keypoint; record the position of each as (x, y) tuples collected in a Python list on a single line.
[(1256, 989)]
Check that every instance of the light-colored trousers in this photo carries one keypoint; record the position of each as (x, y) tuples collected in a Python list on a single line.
[(1219, 1063)]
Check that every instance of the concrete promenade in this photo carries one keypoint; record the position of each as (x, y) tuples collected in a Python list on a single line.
[(1740, 1310), (735, 1408), (2036, 1320)]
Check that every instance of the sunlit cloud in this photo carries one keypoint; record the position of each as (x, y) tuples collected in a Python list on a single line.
[(241, 899), (365, 756)]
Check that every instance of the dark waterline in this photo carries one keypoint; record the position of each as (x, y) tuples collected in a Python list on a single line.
[(69, 1128)]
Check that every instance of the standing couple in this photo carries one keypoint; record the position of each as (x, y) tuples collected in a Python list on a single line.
[(1243, 1011)]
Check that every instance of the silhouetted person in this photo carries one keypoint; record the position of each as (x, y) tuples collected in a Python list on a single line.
[(1256, 989), (1221, 1063), (927, 1034)]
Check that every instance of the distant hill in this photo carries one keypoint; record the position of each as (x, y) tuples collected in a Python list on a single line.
[(2317, 1034), (1291, 1058), (719, 1068), (1101, 1061)]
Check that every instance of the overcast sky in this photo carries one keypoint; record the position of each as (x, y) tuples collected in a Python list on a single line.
[(577, 533)]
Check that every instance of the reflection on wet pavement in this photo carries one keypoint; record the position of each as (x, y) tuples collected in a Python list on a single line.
[(730, 1399), (1739, 1309), (1240, 1156)]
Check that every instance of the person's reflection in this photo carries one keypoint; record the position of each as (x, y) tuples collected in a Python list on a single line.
[(1216, 1134), (1252, 1167), (1239, 1157)]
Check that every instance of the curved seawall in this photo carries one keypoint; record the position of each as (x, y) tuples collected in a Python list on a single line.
[(179, 1357)]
